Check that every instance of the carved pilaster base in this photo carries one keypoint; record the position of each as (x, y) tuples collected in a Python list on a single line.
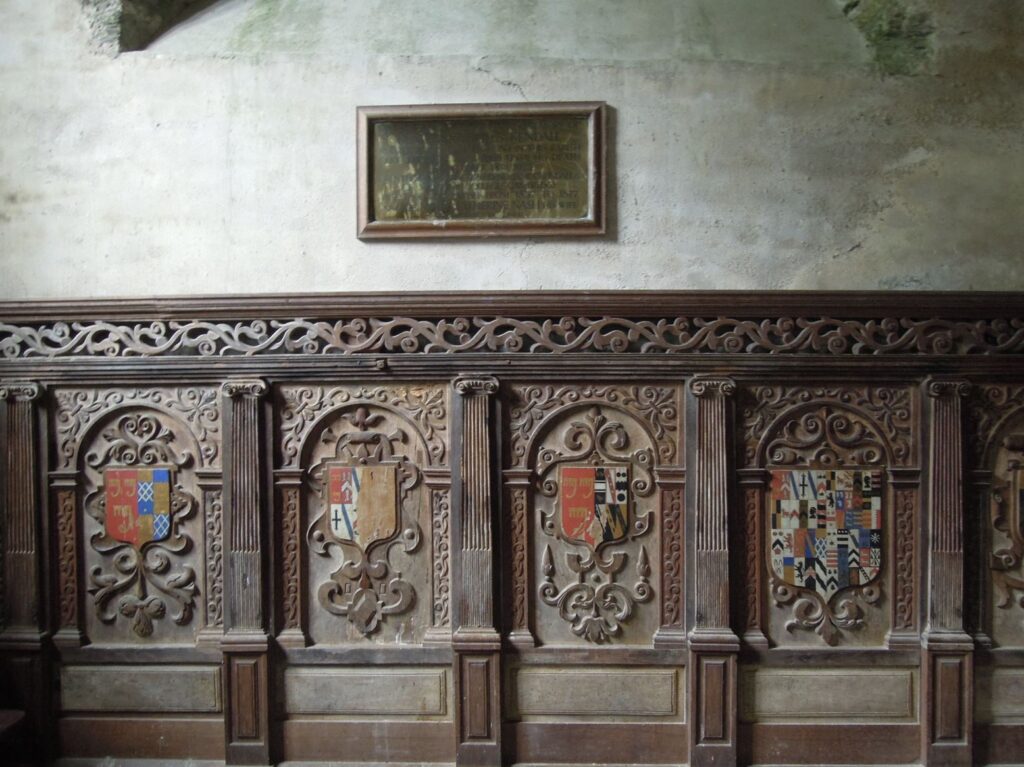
[(292, 638), (903, 640), (521, 638), (437, 636), (755, 639), (68, 638), (210, 637), (670, 637)]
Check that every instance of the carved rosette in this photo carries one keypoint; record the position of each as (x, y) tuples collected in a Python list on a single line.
[(141, 582), (594, 587), (830, 427)]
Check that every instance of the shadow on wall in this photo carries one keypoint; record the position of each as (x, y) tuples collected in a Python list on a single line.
[(131, 25)]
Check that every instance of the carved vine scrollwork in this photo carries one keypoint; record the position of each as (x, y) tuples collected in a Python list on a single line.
[(656, 407), (144, 580), (365, 587), (303, 406), (672, 559), (595, 613), (68, 573), (615, 335), (989, 409), (214, 508), (854, 425), (811, 611), (292, 557), (199, 408), (906, 513), (1007, 519), (442, 549), (595, 603)]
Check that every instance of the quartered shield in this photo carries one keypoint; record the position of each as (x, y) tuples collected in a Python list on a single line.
[(362, 503), (138, 504), (826, 528), (594, 503)]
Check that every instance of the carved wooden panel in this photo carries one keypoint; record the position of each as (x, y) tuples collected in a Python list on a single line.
[(851, 428), (996, 416), (364, 526), (164, 584), (587, 511)]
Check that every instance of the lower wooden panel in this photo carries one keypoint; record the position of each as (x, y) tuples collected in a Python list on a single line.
[(998, 744), (829, 744), (143, 737), (377, 741), (544, 742)]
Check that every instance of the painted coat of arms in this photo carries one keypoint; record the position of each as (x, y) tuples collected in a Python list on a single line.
[(362, 503), (594, 503), (826, 528), (138, 504)]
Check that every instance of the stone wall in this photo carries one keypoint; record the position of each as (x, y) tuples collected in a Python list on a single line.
[(796, 144)]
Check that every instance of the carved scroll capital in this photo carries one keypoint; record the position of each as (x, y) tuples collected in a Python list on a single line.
[(472, 386), (711, 386), (947, 387), (20, 391), (245, 388)]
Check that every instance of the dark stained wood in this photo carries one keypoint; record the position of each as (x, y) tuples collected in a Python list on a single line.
[(709, 577), (578, 743), (401, 741), (475, 641), (136, 737), (831, 744)]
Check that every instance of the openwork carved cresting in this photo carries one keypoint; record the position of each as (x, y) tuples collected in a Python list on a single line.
[(608, 335)]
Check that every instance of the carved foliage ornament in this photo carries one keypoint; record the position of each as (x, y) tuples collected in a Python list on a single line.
[(829, 426), (656, 407), (1008, 519), (304, 406), (199, 408), (781, 335), (595, 487), (367, 507), (140, 509)]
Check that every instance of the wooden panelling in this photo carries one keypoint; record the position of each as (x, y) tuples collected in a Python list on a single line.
[(382, 692), (564, 552), (141, 689), (836, 696), (596, 693)]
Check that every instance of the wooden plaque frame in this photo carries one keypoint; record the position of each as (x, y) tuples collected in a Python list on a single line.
[(594, 223)]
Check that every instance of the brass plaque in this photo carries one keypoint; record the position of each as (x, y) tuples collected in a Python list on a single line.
[(497, 169)]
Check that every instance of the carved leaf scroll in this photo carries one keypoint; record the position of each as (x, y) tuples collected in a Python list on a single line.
[(365, 587), (589, 594), (828, 425), (615, 335), (143, 581)]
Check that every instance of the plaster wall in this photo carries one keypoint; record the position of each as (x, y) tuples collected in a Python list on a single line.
[(754, 145)]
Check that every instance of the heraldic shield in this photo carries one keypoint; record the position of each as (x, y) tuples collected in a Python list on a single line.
[(826, 528), (594, 503), (362, 503), (138, 504)]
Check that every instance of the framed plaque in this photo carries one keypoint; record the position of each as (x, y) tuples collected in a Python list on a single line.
[(482, 170)]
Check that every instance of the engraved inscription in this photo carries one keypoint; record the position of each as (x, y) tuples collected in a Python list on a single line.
[(493, 168)]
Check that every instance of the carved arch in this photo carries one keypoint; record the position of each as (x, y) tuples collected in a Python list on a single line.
[(833, 430), (142, 582)]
